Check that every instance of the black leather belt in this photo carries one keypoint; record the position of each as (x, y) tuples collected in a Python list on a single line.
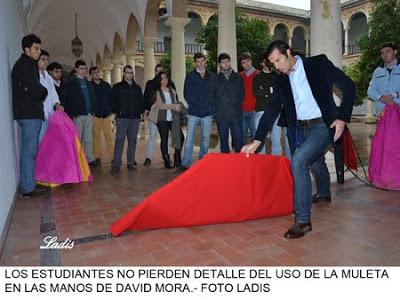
[(311, 122)]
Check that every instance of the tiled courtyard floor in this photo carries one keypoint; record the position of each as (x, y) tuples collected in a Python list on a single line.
[(360, 227)]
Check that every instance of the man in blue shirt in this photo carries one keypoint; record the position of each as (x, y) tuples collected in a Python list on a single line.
[(196, 92), (384, 86), (304, 88)]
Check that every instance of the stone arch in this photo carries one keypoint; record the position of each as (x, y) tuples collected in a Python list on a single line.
[(151, 18), (193, 27), (99, 61), (107, 55), (131, 33), (118, 46), (281, 32), (193, 14), (213, 17), (299, 39), (193, 10), (357, 25)]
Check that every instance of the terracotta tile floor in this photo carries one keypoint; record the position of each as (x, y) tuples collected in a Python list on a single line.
[(360, 227)]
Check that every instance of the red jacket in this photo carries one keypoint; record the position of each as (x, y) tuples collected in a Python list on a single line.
[(249, 102)]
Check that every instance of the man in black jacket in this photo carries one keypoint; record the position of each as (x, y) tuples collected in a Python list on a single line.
[(28, 97), (128, 105), (102, 121), (304, 88), (226, 97), (79, 105), (55, 71)]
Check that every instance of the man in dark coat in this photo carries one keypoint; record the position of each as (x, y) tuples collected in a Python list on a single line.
[(102, 119), (304, 88), (226, 97), (128, 105), (28, 97), (79, 105)]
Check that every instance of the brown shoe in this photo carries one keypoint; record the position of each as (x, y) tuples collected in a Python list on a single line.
[(298, 230)]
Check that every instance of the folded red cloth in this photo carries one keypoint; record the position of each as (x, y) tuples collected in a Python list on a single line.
[(220, 188)]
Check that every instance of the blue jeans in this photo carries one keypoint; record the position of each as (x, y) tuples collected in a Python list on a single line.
[(30, 129), (205, 130), (275, 137), (235, 128), (248, 125), (125, 128), (310, 155), (43, 130)]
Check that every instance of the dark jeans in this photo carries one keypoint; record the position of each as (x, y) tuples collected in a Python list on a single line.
[(125, 128), (30, 129), (235, 128), (310, 156), (164, 127)]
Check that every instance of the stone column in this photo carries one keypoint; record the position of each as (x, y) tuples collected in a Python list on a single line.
[(326, 36), (116, 75), (178, 59), (130, 58), (290, 40), (227, 30), (307, 47), (370, 109), (149, 62), (107, 67), (346, 41)]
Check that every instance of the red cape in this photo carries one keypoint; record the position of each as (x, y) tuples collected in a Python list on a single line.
[(220, 188)]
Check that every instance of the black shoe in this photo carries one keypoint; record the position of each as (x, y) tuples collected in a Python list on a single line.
[(167, 161), (147, 162), (98, 162), (319, 199), (298, 230), (132, 167), (177, 159), (114, 170), (134, 163), (182, 168), (34, 194), (42, 188), (93, 164)]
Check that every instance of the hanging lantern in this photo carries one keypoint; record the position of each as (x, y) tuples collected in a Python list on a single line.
[(76, 44)]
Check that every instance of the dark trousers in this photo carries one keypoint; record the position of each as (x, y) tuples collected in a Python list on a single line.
[(125, 128), (164, 127), (235, 127)]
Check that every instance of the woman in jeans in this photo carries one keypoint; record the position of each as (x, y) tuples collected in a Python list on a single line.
[(168, 119)]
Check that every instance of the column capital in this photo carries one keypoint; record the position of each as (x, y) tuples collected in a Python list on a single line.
[(118, 64), (130, 53), (107, 67), (147, 40), (177, 23)]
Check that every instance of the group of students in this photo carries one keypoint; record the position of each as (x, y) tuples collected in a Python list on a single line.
[(246, 103)]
